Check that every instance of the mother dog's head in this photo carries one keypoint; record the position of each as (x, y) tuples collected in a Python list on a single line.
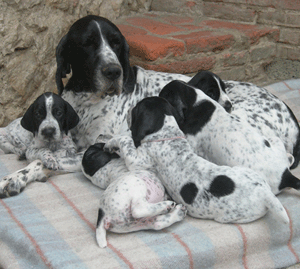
[(98, 55)]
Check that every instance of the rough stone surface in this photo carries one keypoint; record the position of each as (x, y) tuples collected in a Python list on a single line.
[(29, 33)]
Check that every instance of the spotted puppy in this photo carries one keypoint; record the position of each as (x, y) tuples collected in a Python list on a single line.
[(133, 200), (226, 139), (222, 193), (42, 134)]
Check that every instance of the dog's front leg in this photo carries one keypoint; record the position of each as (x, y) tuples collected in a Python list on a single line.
[(43, 154), (135, 158), (14, 183)]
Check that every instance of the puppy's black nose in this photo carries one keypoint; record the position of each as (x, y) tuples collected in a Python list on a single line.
[(48, 132), (228, 106), (111, 72)]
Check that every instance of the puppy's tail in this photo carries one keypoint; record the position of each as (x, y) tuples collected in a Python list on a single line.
[(100, 230), (275, 206)]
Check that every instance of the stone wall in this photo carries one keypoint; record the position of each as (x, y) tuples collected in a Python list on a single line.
[(29, 33)]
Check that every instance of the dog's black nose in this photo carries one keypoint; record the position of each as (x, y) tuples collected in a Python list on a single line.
[(228, 106), (48, 132), (112, 72)]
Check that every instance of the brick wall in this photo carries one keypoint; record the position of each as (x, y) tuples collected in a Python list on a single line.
[(283, 14)]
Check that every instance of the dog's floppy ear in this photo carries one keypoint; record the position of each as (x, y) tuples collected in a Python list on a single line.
[(129, 77), (147, 117), (179, 95), (27, 122), (71, 118), (63, 66)]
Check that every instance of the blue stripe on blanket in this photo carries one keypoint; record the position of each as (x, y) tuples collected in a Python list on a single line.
[(52, 246)]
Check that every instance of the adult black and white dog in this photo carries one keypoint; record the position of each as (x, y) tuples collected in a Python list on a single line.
[(103, 84), (209, 191), (42, 134), (226, 139)]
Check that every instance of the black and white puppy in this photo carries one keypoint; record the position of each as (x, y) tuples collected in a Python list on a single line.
[(226, 139), (133, 200), (42, 134), (209, 191), (213, 86)]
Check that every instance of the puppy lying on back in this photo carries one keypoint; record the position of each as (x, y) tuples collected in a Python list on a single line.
[(43, 132), (209, 191), (225, 139), (133, 200)]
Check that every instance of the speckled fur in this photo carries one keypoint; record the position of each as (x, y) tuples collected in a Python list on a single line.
[(126, 206), (177, 166), (266, 113), (226, 139), (55, 152)]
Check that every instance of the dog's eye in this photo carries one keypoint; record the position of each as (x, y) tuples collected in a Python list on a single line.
[(211, 93), (57, 113), (115, 43), (39, 113)]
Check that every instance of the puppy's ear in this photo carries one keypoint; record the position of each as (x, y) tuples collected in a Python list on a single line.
[(27, 122), (71, 118), (146, 118), (63, 67), (179, 95), (129, 77)]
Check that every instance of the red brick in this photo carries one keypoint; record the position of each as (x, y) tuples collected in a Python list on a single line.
[(254, 33), (192, 27), (127, 30), (181, 67), (153, 26), (204, 41), (228, 12), (190, 4), (150, 48), (178, 19)]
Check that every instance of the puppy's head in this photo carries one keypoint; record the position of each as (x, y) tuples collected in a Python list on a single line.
[(148, 117), (212, 86), (194, 107), (98, 54), (49, 117)]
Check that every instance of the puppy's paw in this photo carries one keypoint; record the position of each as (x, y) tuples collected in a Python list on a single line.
[(102, 138), (182, 210), (11, 185), (50, 163), (111, 145)]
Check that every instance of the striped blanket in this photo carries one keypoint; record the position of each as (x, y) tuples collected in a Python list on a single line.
[(52, 225)]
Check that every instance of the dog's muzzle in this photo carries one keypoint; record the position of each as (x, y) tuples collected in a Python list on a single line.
[(112, 71), (48, 133)]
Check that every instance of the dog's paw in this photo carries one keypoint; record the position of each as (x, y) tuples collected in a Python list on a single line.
[(11, 185), (103, 138), (111, 146), (50, 162), (182, 210), (170, 206)]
